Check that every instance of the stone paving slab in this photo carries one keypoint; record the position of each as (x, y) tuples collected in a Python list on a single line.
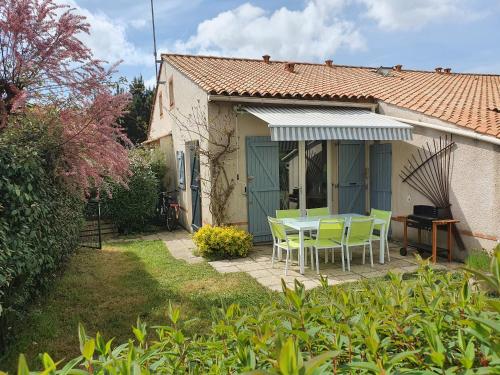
[(180, 245), (258, 264)]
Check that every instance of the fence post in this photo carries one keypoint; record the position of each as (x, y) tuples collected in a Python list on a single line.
[(99, 223)]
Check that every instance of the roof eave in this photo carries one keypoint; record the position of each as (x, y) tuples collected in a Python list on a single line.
[(291, 101)]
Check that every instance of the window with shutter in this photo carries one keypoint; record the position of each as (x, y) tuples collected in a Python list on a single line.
[(171, 100), (160, 100), (181, 175)]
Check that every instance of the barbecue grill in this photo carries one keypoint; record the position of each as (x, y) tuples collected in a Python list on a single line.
[(423, 216), (422, 219)]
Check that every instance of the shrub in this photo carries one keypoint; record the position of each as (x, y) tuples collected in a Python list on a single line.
[(40, 219), (132, 207), (157, 160), (222, 242), (437, 323)]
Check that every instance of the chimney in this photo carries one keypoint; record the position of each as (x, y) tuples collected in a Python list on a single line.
[(266, 58), (329, 63), (438, 69), (398, 67), (447, 70), (289, 67)]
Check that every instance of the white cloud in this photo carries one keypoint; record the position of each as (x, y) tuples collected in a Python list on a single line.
[(150, 82), (414, 14), (314, 32), (108, 39), (139, 23)]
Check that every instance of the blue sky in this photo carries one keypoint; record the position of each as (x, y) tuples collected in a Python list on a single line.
[(419, 34)]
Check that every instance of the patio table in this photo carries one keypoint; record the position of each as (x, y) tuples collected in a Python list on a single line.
[(308, 223)]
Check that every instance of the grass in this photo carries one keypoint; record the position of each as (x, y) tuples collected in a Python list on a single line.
[(108, 289), (478, 260)]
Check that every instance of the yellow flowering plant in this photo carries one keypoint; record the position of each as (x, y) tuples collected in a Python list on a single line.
[(222, 242)]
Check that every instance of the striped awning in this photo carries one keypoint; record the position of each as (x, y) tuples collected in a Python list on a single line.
[(313, 123)]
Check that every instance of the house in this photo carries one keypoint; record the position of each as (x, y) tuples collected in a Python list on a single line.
[(311, 135)]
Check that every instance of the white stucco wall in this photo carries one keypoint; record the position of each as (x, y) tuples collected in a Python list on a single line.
[(187, 98), (160, 124)]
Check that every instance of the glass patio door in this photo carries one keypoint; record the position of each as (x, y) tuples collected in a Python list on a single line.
[(304, 174), (316, 174), (289, 175)]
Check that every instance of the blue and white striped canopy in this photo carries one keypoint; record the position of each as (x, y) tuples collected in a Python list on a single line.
[(313, 123)]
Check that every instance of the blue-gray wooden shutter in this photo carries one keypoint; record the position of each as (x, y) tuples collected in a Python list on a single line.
[(352, 177), (181, 174), (263, 185), (380, 176)]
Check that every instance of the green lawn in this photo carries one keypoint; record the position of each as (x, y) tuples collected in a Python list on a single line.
[(108, 289), (479, 260)]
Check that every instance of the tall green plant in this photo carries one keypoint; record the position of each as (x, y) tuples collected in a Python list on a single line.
[(136, 120)]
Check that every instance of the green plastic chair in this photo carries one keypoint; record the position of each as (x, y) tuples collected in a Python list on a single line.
[(359, 233), (322, 211), (330, 235), (290, 214), (282, 241), (287, 214), (386, 216)]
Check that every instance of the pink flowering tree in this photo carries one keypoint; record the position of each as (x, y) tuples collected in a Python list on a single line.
[(44, 64)]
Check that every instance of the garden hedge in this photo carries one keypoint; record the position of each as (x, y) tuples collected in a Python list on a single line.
[(133, 207), (436, 323), (40, 220)]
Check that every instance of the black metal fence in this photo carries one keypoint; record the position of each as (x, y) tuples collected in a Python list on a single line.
[(91, 236)]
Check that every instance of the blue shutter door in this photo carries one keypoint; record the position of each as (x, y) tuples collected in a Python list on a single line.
[(263, 192), (195, 186), (380, 176), (352, 177)]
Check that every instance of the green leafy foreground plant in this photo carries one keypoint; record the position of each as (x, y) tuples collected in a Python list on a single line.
[(437, 323)]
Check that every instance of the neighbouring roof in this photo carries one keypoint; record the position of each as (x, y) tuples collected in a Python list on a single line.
[(156, 138), (468, 100)]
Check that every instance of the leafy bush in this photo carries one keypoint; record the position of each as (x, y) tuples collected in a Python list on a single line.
[(436, 323), (158, 166), (40, 219), (222, 242), (134, 206)]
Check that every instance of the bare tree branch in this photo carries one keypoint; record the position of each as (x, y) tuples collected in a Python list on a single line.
[(216, 144)]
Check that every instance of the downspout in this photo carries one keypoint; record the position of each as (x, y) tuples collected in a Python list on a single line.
[(237, 150), (463, 133)]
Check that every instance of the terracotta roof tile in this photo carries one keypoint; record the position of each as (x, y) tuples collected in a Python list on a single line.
[(468, 100)]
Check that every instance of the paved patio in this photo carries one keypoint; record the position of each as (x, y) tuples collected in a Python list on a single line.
[(258, 263)]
